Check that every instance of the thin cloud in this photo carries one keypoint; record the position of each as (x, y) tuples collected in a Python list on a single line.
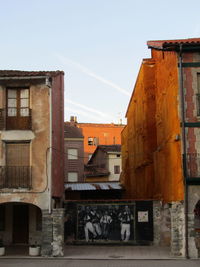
[(83, 113), (85, 70), (102, 114)]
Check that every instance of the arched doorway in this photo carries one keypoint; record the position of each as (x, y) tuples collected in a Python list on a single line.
[(20, 224)]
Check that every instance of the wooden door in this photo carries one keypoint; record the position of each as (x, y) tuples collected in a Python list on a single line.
[(20, 224)]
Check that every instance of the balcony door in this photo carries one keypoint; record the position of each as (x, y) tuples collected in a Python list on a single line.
[(18, 165), (18, 112)]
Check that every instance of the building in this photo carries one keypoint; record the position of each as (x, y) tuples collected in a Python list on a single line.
[(74, 154), (105, 164), (99, 134), (161, 143), (32, 159)]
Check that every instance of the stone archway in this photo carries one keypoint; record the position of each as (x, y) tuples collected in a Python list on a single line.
[(20, 224)]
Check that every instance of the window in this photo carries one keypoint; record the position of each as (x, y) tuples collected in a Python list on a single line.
[(18, 165), (72, 176), (72, 153), (18, 102), (90, 141), (18, 111), (93, 141), (198, 94), (116, 169)]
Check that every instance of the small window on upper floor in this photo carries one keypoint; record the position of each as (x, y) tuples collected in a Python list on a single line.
[(72, 177), (72, 153), (118, 155), (90, 141), (93, 141), (116, 169)]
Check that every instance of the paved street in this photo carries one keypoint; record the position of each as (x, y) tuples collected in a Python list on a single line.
[(96, 263)]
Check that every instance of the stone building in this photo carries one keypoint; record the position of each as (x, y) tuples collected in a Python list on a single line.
[(32, 159), (161, 143)]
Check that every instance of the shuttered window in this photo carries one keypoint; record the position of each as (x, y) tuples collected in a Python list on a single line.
[(18, 169), (18, 154)]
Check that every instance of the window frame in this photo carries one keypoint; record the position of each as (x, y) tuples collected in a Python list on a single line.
[(70, 155), (116, 169), (70, 180)]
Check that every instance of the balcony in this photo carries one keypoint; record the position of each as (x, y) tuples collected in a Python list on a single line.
[(15, 177), (19, 120)]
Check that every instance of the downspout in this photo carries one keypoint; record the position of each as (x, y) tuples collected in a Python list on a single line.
[(50, 143), (184, 150)]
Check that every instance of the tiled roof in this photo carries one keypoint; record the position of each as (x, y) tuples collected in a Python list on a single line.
[(19, 73), (71, 131), (86, 124), (93, 186), (94, 170), (160, 44), (106, 149)]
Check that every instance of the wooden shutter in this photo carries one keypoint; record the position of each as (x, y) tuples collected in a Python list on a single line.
[(18, 154)]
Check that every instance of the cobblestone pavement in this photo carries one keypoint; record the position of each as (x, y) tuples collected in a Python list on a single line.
[(96, 263)]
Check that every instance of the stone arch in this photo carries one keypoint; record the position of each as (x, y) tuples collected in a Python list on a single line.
[(20, 223)]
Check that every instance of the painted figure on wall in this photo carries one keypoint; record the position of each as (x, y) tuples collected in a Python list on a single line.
[(106, 222), (125, 218)]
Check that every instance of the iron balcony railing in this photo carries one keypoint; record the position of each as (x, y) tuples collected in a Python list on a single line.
[(193, 165), (15, 177)]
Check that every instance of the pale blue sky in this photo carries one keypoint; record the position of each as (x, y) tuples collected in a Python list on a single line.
[(98, 43)]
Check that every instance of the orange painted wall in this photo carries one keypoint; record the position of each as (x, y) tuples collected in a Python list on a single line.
[(154, 156), (108, 134)]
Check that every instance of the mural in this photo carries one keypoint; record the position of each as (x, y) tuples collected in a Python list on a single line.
[(105, 222)]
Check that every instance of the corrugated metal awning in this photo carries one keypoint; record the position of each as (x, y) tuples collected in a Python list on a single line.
[(93, 186)]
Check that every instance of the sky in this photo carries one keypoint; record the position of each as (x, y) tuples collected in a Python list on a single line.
[(99, 44)]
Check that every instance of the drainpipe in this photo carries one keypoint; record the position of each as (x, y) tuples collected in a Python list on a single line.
[(184, 150), (47, 82)]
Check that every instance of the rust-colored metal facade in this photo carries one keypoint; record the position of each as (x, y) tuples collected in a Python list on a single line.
[(151, 147)]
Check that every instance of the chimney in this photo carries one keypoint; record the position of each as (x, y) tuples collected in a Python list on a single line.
[(73, 120)]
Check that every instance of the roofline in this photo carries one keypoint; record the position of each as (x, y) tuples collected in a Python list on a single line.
[(175, 45), (148, 61)]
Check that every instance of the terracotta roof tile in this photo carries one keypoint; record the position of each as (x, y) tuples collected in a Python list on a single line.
[(71, 131), (160, 44), (15, 73)]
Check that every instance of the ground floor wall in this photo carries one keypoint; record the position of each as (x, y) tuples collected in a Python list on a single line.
[(193, 221), (26, 224), (169, 226), (109, 222)]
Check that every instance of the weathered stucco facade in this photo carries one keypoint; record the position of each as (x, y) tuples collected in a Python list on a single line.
[(160, 144), (30, 184)]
